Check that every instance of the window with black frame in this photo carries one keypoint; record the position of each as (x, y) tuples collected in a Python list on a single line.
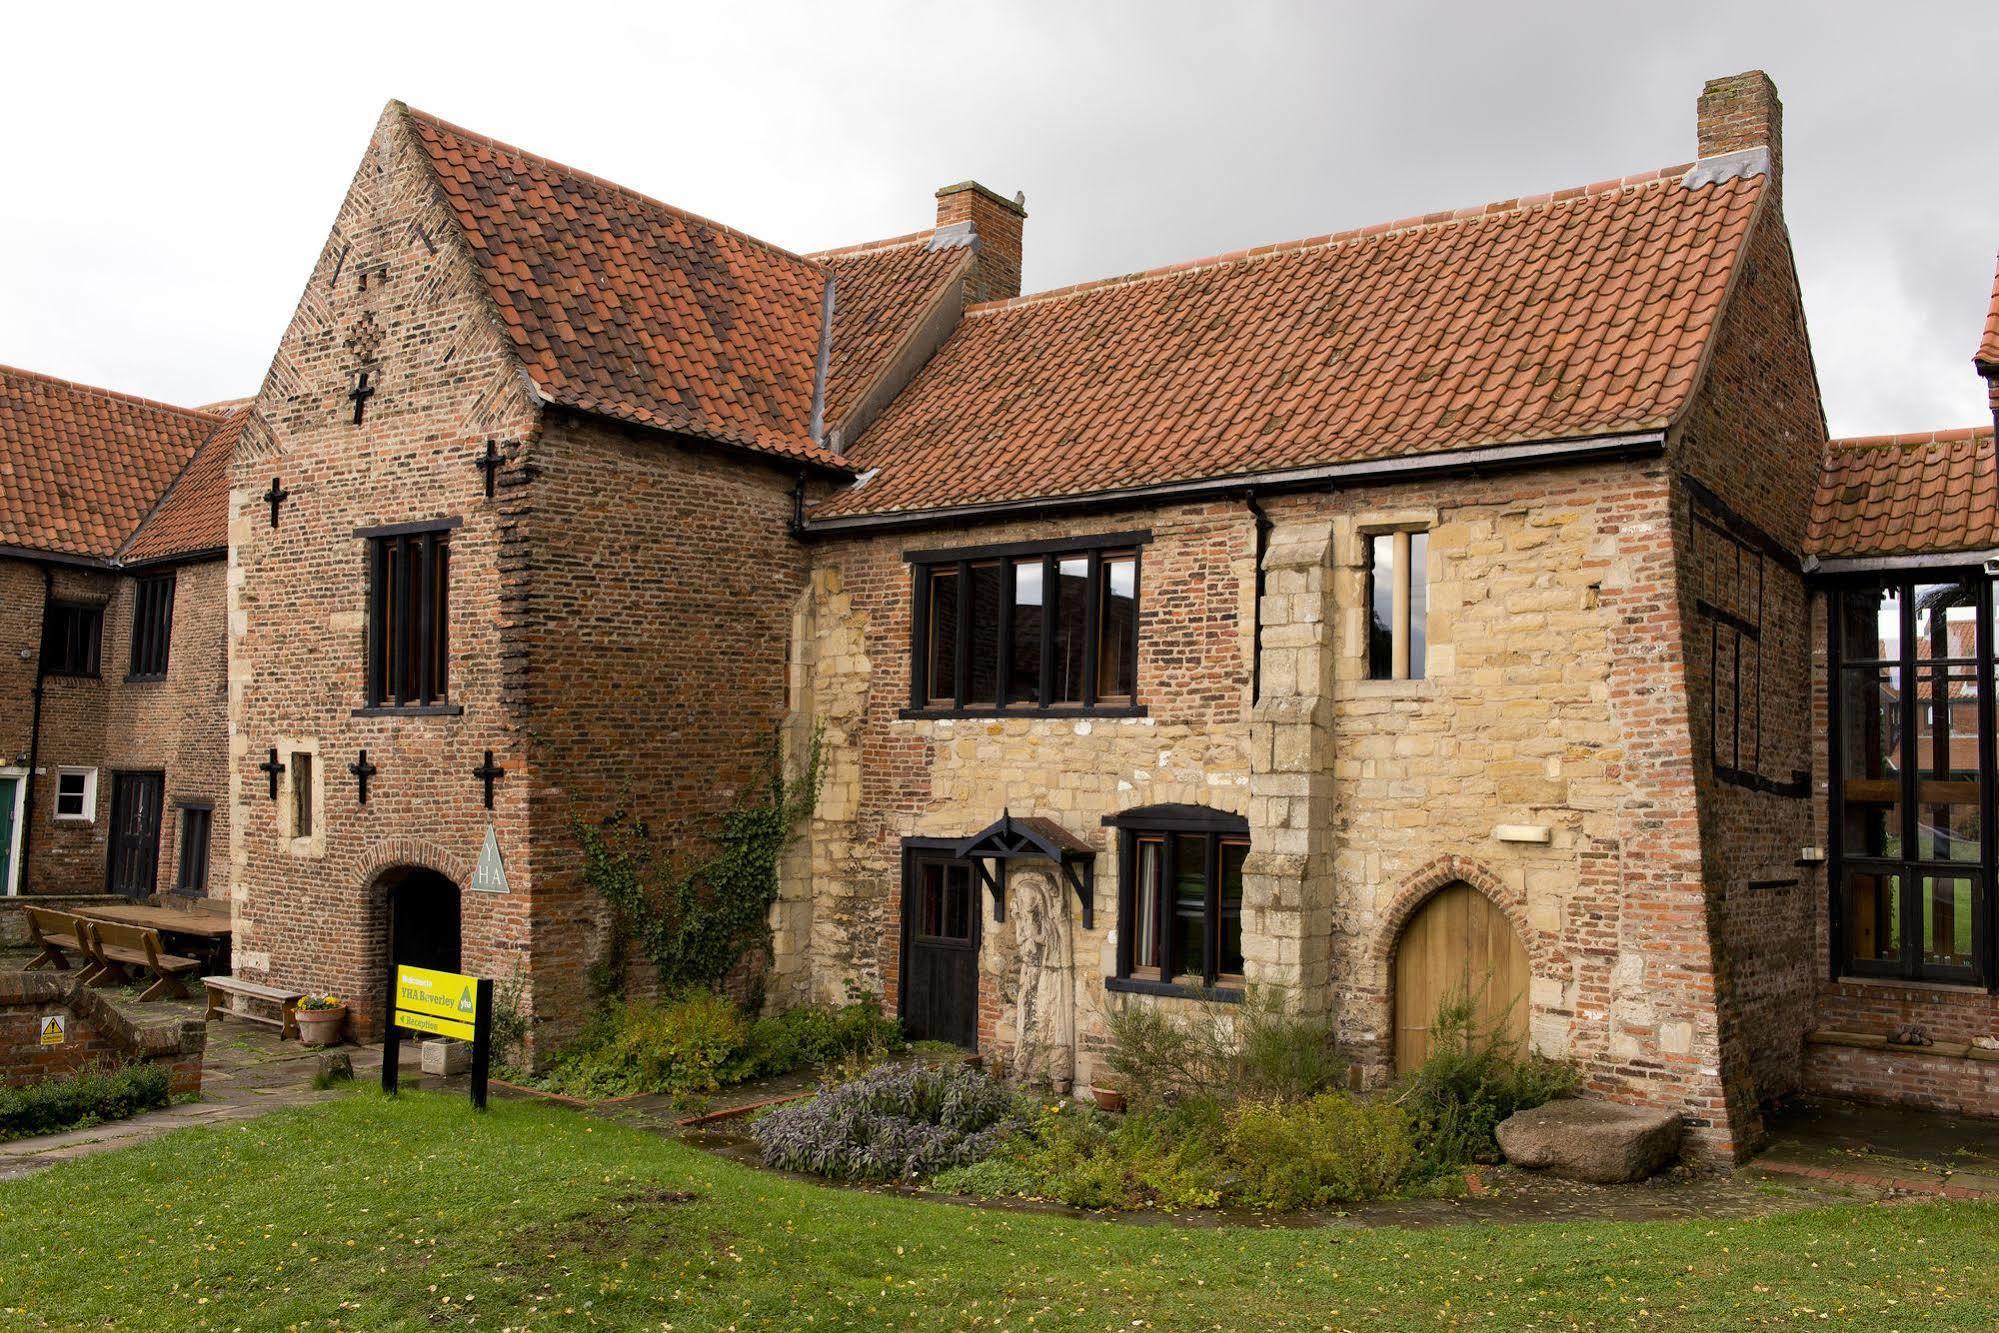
[(1180, 898), (1027, 628), (196, 823), (409, 614), (152, 625), (1912, 766), (72, 633)]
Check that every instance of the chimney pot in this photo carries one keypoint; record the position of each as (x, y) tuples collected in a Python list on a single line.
[(996, 221)]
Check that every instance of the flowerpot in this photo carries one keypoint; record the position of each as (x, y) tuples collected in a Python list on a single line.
[(1108, 1099), (320, 1027)]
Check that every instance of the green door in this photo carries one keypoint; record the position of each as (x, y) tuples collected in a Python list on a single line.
[(10, 792)]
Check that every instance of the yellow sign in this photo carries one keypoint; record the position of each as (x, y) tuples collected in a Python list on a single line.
[(54, 1030), (441, 1002)]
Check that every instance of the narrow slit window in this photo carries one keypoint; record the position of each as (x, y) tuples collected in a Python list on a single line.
[(1398, 605), (301, 775), (196, 823)]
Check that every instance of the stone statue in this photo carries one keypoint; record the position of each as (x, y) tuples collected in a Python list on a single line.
[(1044, 981)]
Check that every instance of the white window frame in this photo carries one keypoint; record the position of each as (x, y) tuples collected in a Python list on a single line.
[(89, 776)]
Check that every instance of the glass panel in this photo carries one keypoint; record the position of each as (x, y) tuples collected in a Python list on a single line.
[(1190, 905), (1870, 624), (931, 920), (983, 672), (1945, 755), (1946, 621), (958, 902), (1946, 907), (1117, 623), (1072, 600), (440, 623), (1873, 916), (1230, 958), (1419, 601), (1024, 678), (942, 658), (1145, 893), (1871, 769), (1381, 607)]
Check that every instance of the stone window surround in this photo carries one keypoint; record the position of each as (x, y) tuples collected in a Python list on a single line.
[(1351, 662), (311, 847), (88, 814)]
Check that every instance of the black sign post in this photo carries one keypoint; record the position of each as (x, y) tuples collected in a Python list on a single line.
[(481, 1025)]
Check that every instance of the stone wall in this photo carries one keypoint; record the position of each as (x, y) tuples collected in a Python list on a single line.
[(1554, 698), (97, 1033), (393, 292)]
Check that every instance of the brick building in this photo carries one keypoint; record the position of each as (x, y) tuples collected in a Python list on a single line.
[(1438, 607), (113, 730)]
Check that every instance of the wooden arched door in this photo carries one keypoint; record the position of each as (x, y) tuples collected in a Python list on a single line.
[(1458, 943)]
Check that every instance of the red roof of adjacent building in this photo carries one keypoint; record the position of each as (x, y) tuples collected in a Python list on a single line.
[(193, 516), (81, 466), (1988, 347), (1907, 495), (627, 307), (1583, 313), (881, 291)]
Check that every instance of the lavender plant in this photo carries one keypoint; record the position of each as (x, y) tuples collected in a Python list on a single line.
[(898, 1122)]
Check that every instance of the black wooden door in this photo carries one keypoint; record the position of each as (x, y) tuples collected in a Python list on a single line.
[(940, 949), (135, 833)]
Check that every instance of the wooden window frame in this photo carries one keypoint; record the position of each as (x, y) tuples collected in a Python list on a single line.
[(152, 626), (1402, 663), (1215, 831), (930, 572), (408, 667), (81, 648), (1911, 869), (88, 814)]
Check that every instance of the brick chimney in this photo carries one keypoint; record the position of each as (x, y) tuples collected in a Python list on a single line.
[(1741, 112), (996, 221)]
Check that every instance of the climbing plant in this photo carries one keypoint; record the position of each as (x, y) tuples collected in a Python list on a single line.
[(695, 923)]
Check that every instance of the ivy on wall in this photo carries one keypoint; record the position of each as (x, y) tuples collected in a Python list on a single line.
[(695, 924)]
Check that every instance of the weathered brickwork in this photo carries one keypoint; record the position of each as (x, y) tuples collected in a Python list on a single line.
[(174, 726), (1750, 448), (96, 1033), (392, 293)]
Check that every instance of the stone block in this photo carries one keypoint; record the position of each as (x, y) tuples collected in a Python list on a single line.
[(1599, 1142)]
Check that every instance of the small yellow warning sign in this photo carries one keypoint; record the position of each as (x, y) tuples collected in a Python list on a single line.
[(55, 1029)]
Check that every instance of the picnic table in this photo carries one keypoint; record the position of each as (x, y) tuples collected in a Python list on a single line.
[(203, 930)]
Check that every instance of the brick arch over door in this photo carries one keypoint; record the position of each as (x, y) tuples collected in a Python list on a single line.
[(1543, 956), (403, 854)]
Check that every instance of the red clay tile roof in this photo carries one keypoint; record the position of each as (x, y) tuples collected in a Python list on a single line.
[(79, 466), (193, 516), (1907, 495), (1988, 347), (881, 292), (624, 306), (1581, 313)]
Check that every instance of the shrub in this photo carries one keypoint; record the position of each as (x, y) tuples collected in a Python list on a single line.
[(1470, 1081), (1156, 1156), (639, 1046), (57, 1104), (898, 1122), (803, 1037), (1330, 1149), (1253, 1049)]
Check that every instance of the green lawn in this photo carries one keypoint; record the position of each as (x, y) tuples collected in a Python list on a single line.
[(363, 1213)]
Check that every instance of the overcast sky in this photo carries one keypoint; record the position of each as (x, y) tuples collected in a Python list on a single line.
[(172, 170)]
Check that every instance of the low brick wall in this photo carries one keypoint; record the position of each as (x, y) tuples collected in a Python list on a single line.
[(1950, 1076), (96, 1032)]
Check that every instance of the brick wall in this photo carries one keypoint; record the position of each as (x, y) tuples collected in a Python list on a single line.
[(97, 1033), (67, 856), (1751, 444), (393, 291), (661, 594)]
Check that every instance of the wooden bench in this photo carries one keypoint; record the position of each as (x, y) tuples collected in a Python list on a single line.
[(221, 988), (117, 947), (57, 935)]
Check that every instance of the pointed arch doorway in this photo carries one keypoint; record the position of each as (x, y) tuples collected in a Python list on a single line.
[(1458, 943)]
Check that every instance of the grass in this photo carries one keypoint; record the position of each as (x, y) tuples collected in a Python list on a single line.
[(363, 1213)]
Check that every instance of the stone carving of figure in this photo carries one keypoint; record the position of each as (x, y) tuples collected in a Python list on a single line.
[(1045, 981)]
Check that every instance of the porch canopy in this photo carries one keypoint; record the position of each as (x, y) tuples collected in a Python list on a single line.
[(1031, 839)]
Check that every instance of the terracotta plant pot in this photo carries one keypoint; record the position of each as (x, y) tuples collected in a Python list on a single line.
[(1108, 1099), (320, 1027)]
